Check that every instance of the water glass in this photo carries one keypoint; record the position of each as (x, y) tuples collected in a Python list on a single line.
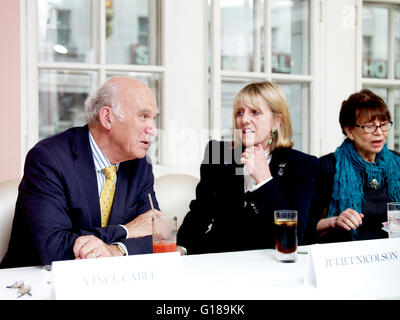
[(393, 213)]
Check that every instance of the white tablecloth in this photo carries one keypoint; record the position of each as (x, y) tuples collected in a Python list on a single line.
[(234, 275), (38, 278)]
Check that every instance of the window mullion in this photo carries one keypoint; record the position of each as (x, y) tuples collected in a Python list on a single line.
[(102, 40), (153, 31), (359, 46), (385, 83), (267, 39), (257, 36), (307, 23), (292, 78), (316, 70), (32, 115), (306, 117), (383, 2), (391, 58), (69, 66), (215, 107), (390, 104), (135, 68), (243, 74)]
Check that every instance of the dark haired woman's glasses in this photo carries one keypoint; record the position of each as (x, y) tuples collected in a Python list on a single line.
[(371, 128)]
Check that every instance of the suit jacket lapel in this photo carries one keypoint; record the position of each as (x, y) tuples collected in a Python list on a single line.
[(86, 175)]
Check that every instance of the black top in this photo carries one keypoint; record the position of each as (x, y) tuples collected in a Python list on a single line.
[(373, 207), (224, 218)]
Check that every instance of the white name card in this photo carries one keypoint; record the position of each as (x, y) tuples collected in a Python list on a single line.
[(356, 264), (130, 277)]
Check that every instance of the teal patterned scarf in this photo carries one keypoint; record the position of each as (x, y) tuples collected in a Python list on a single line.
[(353, 173)]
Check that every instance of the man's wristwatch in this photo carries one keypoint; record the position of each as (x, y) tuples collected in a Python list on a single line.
[(120, 249)]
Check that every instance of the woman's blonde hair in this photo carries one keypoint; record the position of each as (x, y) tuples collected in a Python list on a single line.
[(250, 96)]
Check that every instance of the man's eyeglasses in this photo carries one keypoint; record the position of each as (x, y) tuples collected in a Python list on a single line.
[(371, 128)]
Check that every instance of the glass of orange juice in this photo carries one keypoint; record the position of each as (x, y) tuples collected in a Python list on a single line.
[(164, 234)]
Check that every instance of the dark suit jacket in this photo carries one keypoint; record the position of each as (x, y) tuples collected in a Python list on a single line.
[(58, 201), (223, 218)]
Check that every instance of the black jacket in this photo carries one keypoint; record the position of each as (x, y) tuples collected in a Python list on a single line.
[(224, 218)]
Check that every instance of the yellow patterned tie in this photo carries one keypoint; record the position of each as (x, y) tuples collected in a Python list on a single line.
[(107, 194)]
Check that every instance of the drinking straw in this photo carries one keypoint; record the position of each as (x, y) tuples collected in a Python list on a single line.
[(154, 216)]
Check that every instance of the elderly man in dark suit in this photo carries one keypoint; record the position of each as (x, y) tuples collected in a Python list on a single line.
[(58, 214)]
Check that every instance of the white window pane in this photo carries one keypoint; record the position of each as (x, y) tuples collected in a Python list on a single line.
[(375, 42), (61, 100), (298, 99), (396, 119), (242, 23), (154, 82), (395, 113), (296, 94), (229, 90), (131, 32), (237, 29), (381, 92), (64, 31), (289, 36)]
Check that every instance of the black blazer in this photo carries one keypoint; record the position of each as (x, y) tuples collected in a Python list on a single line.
[(373, 207), (58, 201), (223, 218)]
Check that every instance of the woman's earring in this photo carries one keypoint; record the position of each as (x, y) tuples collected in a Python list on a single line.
[(272, 135)]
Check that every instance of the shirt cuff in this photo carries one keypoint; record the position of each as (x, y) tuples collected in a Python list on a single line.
[(126, 229), (254, 188)]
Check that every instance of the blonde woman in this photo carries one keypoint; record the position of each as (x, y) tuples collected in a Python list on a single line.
[(244, 181)]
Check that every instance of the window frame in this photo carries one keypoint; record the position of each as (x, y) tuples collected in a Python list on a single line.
[(30, 63), (311, 114), (391, 83)]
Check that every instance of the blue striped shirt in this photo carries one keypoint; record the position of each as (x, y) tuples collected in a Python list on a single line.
[(101, 162)]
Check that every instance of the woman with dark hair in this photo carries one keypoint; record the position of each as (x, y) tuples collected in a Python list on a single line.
[(245, 180), (359, 178)]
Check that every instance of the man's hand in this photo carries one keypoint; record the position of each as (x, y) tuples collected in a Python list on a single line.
[(141, 226), (89, 247)]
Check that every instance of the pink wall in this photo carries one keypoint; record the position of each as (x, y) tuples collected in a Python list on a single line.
[(10, 76)]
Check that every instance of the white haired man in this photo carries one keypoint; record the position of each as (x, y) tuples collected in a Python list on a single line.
[(69, 206)]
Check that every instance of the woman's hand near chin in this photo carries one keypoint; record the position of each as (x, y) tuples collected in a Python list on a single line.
[(256, 163)]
